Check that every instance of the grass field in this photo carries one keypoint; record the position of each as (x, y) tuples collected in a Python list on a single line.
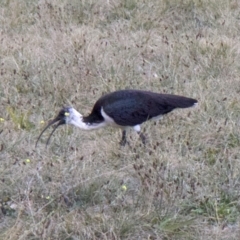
[(184, 184)]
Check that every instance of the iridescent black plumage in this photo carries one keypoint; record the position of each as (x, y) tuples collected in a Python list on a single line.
[(133, 107)]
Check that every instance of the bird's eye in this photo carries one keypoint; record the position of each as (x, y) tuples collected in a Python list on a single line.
[(66, 114)]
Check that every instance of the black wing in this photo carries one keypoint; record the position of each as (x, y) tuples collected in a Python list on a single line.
[(133, 107)]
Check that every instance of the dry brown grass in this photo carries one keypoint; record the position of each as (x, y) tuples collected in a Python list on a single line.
[(184, 184)]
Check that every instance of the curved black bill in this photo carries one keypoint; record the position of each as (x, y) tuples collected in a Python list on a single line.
[(61, 121)]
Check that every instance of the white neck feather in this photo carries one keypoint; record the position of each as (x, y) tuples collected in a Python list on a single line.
[(75, 118)]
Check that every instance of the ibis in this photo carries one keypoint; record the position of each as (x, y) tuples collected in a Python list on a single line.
[(124, 109)]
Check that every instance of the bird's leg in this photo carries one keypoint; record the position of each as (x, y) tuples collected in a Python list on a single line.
[(124, 139), (143, 138)]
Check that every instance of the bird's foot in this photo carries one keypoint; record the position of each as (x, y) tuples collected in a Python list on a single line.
[(143, 138), (124, 139), (123, 142)]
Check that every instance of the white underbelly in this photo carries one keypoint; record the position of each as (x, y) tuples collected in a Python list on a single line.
[(108, 120)]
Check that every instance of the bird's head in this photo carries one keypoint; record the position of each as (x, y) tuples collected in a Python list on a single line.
[(67, 115)]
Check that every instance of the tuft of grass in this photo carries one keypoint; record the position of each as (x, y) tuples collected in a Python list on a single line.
[(20, 120)]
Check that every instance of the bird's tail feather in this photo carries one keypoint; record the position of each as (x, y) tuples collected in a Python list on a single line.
[(180, 102)]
